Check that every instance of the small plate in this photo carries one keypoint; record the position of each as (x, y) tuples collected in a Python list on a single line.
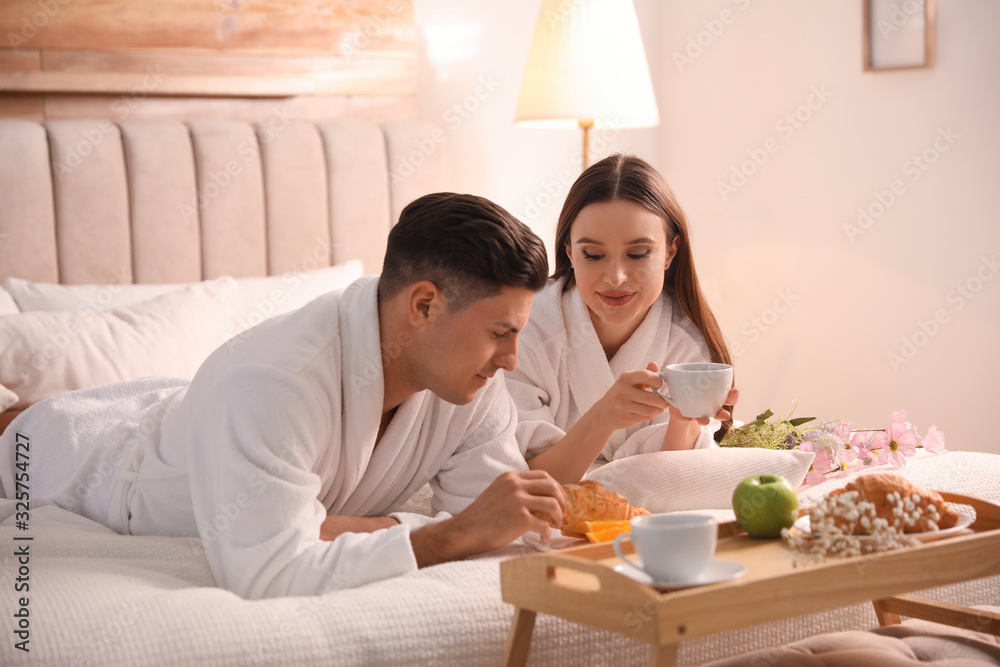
[(555, 542), (716, 571), (964, 521)]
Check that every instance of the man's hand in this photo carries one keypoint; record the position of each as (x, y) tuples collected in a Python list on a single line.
[(334, 526), (515, 503)]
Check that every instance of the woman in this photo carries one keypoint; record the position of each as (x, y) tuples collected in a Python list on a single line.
[(623, 301)]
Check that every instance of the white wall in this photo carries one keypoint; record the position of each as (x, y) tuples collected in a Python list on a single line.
[(873, 317), (813, 309)]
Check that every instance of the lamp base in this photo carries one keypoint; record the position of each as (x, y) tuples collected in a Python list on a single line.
[(585, 125)]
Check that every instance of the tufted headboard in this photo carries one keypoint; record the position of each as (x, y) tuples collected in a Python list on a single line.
[(92, 201), (163, 201)]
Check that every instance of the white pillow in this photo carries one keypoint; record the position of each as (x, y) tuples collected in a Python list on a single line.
[(696, 479), (31, 296), (7, 304), (49, 352), (7, 398), (260, 298)]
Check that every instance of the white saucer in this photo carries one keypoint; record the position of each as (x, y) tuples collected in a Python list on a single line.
[(716, 571), (964, 521)]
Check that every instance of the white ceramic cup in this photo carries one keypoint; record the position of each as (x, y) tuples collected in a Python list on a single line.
[(697, 389), (672, 548)]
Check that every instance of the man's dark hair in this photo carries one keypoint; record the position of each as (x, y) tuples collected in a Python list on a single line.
[(469, 247)]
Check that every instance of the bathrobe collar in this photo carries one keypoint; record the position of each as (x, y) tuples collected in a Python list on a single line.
[(590, 373), (372, 472)]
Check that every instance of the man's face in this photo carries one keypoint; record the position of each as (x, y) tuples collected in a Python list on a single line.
[(466, 348)]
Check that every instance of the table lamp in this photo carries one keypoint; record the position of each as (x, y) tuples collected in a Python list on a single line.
[(587, 68)]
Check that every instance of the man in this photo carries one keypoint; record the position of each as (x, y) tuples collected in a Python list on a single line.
[(288, 452)]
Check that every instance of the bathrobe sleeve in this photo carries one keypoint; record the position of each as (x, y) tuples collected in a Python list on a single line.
[(488, 448), (255, 433), (539, 387), (650, 439), (687, 344), (535, 389)]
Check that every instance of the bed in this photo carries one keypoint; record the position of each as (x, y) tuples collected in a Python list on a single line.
[(101, 219)]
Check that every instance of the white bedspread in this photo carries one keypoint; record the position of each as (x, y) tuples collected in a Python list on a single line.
[(103, 599)]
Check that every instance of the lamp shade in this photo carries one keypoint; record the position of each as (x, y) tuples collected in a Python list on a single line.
[(587, 64)]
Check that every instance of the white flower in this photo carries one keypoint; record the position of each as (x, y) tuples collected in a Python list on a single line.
[(835, 520)]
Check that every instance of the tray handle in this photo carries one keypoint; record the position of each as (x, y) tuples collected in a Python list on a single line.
[(606, 577), (987, 513), (616, 603)]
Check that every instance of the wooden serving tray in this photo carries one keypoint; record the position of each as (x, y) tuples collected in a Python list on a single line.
[(580, 584)]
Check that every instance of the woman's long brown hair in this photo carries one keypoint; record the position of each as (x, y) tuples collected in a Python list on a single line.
[(626, 177)]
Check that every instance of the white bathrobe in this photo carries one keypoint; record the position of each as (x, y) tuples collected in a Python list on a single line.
[(276, 431), (562, 370)]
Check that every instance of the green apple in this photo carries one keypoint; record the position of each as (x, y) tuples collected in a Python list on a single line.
[(764, 504)]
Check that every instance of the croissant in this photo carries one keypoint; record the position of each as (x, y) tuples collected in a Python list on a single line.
[(590, 501), (899, 502)]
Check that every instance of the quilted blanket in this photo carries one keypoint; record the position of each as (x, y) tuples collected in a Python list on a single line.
[(97, 598)]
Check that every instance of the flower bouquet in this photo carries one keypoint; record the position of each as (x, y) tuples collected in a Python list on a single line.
[(837, 446)]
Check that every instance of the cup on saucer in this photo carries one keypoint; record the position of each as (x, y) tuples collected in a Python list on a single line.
[(673, 549)]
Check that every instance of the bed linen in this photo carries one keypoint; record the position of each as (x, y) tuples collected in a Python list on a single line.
[(100, 598)]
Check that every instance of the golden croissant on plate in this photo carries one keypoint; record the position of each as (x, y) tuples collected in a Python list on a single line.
[(899, 502), (590, 501)]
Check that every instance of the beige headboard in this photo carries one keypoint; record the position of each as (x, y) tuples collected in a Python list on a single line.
[(150, 201)]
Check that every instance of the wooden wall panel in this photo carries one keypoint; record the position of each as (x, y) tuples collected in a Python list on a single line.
[(23, 107), (251, 26), (195, 63), (117, 108), (117, 58), (20, 61)]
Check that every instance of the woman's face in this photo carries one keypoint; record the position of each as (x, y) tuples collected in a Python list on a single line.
[(619, 253)]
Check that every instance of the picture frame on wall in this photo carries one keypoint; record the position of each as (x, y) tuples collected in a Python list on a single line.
[(899, 34)]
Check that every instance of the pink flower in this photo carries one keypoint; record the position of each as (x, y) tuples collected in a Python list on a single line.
[(899, 416), (845, 455), (934, 442), (853, 447), (880, 447), (859, 450), (821, 464), (839, 470), (843, 431), (902, 443)]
